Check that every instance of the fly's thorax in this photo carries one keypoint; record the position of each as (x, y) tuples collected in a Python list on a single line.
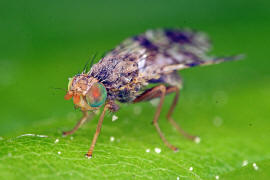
[(87, 92)]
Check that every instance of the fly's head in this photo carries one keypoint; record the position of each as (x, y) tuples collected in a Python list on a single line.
[(87, 92)]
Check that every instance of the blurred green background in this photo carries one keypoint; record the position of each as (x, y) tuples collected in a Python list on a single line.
[(43, 43)]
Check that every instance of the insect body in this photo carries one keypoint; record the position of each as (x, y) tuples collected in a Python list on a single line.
[(124, 73)]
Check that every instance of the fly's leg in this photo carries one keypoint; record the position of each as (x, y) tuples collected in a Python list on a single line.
[(79, 123), (100, 121), (148, 95), (158, 91), (170, 112)]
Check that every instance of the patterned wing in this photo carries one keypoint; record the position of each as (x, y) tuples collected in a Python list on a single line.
[(170, 50), (152, 57)]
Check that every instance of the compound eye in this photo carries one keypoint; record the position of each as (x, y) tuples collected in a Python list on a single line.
[(97, 95)]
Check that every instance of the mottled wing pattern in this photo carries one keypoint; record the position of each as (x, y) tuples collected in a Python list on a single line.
[(154, 56), (170, 50)]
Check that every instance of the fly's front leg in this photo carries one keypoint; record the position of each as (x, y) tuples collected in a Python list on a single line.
[(158, 91), (86, 116), (100, 121)]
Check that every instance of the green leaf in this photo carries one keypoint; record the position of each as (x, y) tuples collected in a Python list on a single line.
[(223, 148)]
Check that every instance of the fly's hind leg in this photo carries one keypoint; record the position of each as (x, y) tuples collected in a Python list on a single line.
[(79, 123), (153, 93), (170, 112), (158, 91), (175, 82)]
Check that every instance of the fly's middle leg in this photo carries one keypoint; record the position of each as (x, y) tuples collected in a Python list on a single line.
[(79, 123), (158, 91)]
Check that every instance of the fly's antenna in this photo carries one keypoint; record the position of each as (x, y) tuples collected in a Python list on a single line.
[(62, 89), (59, 89)]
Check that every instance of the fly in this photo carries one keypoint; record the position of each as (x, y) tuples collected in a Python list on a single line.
[(123, 74)]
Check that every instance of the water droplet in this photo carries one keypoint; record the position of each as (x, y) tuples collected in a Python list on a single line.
[(158, 150), (111, 138), (255, 166), (245, 162), (197, 140), (114, 118)]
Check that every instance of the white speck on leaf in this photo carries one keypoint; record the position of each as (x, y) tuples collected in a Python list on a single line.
[(177, 178), (217, 177), (111, 138), (245, 162), (147, 150), (114, 118), (38, 135), (158, 150), (59, 152), (56, 141), (191, 168), (25, 135), (71, 138), (255, 166), (197, 140), (137, 110), (42, 136)]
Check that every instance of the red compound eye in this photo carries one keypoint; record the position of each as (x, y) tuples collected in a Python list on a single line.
[(95, 92), (97, 95)]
